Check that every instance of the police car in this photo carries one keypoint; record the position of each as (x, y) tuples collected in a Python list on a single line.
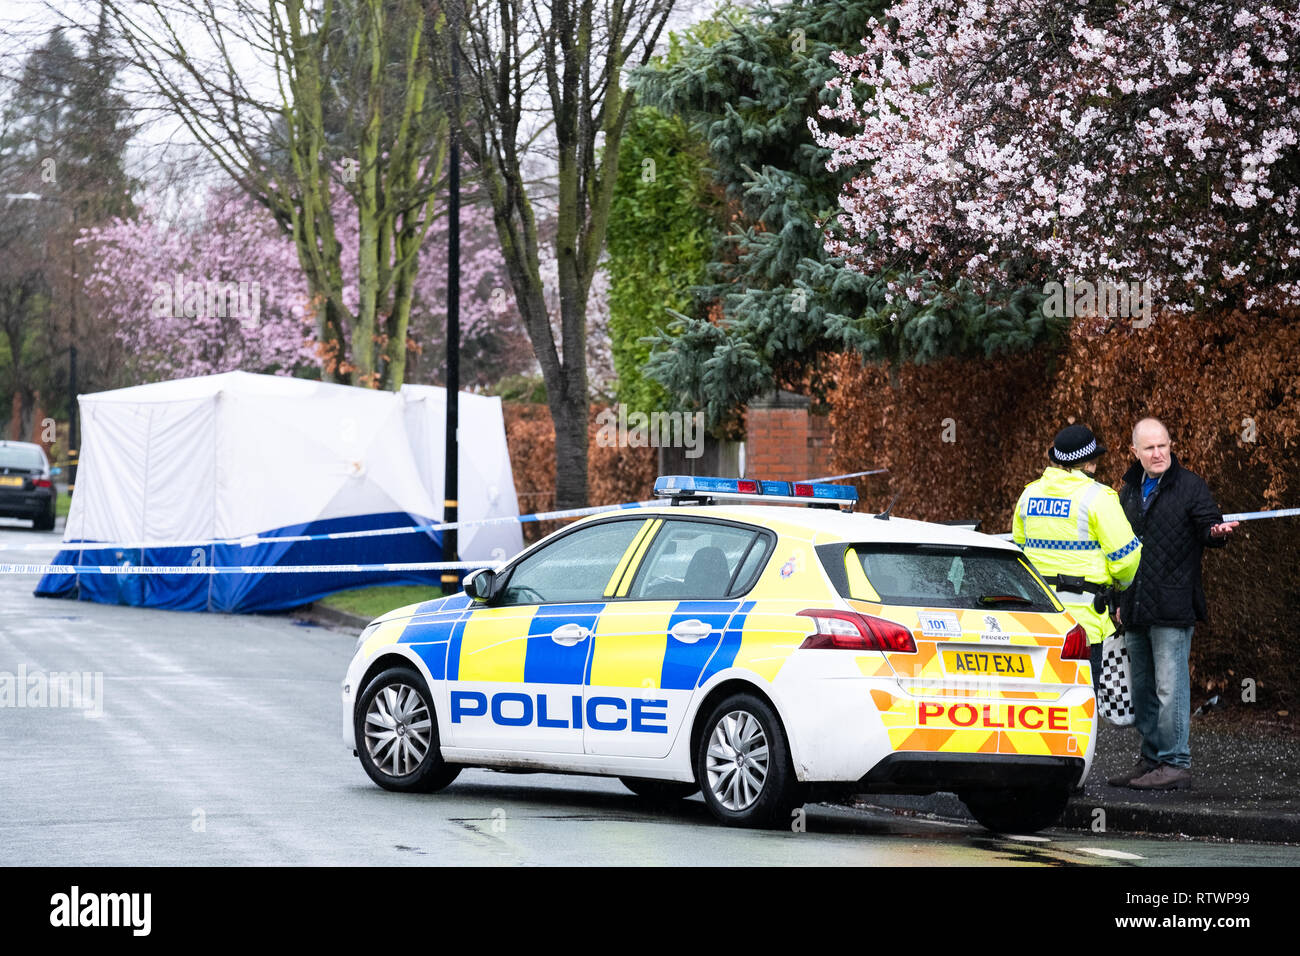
[(759, 653)]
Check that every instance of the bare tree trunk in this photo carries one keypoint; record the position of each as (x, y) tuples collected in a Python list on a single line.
[(575, 50), (348, 115)]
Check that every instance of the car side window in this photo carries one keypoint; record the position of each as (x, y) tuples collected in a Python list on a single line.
[(694, 560), (574, 569), (754, 562)]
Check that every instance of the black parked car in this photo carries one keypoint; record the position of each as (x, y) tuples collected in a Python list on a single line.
[(26, 490)]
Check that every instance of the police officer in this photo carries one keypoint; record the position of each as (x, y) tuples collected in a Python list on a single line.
[(1074, 531)]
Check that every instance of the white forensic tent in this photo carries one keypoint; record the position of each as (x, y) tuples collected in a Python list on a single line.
[(237, 455), (486, 482)]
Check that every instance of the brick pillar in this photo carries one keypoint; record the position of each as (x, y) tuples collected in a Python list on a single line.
[(777, 440), (819, 446)]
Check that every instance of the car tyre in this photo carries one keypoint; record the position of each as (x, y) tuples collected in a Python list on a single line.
[(1018, 810), (397, 734), (743, 765), (46, 521), (659, 791)]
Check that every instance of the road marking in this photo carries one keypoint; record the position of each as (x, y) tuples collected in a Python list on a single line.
[(941, 823), (1112, 854), (1027, 839)]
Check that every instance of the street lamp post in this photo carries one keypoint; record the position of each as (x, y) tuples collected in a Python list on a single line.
[(74, 436), (450, 579)]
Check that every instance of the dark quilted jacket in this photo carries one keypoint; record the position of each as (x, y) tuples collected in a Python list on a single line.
[(1174, 531)]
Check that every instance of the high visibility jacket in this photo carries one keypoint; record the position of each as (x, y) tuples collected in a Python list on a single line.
[(1069, 524)]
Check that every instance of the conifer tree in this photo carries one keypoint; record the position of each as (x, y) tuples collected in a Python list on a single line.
[(784, 300)]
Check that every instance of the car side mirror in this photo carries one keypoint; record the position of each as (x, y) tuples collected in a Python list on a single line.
[(481, 584)]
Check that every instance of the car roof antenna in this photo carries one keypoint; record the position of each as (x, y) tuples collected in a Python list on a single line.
[(884, 515)]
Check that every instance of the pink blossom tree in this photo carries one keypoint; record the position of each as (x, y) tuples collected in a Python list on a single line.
[(493, 343), (173, 292), (223, 293), (1139, 140)]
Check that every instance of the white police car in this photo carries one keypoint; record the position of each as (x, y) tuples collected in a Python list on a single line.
[(758, 652)]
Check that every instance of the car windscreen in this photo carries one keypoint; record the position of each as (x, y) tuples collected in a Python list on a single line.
[(21, 457), (936, 576)]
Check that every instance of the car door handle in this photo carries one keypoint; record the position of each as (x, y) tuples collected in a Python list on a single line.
[(569, 634), (689, 632)]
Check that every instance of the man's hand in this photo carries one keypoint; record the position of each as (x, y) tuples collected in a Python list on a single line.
[(1223, 530)]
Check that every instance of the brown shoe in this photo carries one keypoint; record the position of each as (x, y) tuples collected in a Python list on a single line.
[(1143, 766), (1164, 777)]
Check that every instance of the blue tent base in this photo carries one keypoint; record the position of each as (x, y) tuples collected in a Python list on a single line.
[(240, 593)]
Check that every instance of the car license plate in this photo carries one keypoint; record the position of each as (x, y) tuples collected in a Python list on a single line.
[(985, 663), (10, 481)]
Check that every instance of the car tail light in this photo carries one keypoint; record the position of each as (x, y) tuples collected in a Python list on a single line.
[(1076, 645), (858, 632), (42, 483)]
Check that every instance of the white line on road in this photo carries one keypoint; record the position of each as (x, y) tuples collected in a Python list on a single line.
[(1111, 854)]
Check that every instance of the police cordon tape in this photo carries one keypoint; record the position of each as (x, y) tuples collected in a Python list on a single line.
[(353, 568), (249, 541), (852, 474), (1240, 516), (1256, 515), (247, 569)]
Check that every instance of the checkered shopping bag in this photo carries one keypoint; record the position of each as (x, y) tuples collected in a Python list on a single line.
[(1116, 700)]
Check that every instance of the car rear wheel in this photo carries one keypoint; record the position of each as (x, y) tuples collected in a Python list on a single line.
[(46, 521), (743, 766), (1017, 811), (660, 791), (397, 734)]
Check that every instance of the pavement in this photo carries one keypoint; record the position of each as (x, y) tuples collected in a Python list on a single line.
[(1246, 779)]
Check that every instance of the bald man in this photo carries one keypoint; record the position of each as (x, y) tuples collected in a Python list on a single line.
[(1172, 511)]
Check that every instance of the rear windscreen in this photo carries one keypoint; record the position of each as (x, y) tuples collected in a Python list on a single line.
[(19, 457), (935, 576)]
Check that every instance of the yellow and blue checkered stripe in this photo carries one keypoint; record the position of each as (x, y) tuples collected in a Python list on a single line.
[(1127, 549), (456, 643), (1050, 544), (434, 627)]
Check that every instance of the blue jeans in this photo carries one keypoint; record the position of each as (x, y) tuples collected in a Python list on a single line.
[(1162, 693)]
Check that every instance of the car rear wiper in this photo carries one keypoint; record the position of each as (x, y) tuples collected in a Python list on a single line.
[(1004, 599)]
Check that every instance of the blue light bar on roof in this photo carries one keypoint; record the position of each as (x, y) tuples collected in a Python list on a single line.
[(844, 493), (697, 486)]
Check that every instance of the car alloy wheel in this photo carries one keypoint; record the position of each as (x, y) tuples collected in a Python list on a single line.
[(736, 764), (743, 765), (398, 729), (396, 732)]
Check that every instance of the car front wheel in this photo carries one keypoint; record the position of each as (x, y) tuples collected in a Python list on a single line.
[(397, 734), (743, 766)]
